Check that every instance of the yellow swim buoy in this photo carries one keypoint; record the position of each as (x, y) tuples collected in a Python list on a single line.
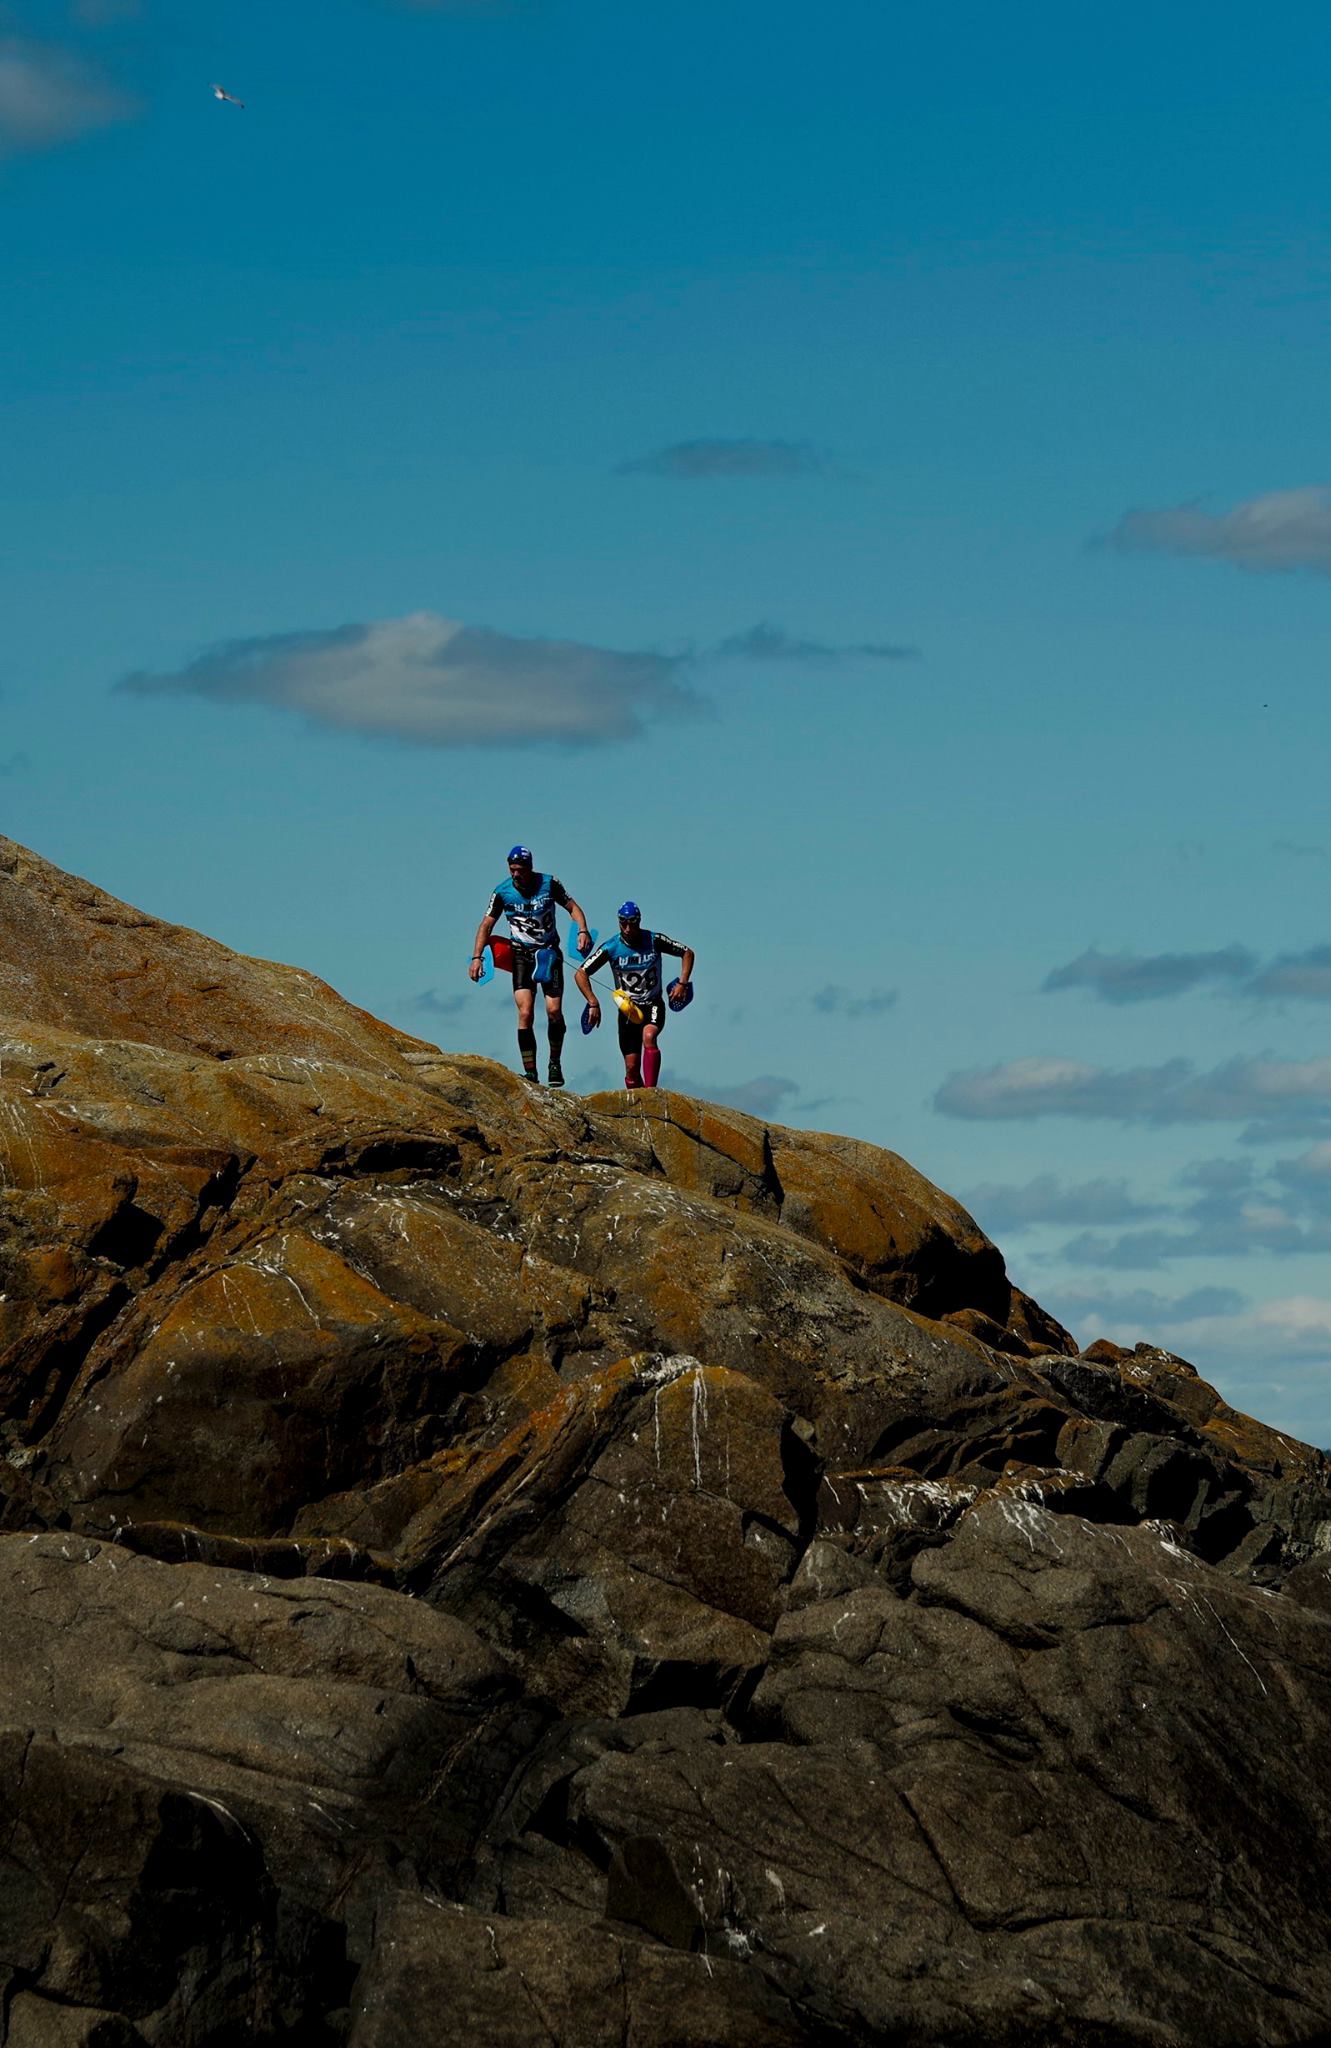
[(626, 1004)]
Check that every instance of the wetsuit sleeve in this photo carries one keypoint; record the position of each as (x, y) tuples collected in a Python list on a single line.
[(496, 908), (665, 944), (558, 891), (593, 960)]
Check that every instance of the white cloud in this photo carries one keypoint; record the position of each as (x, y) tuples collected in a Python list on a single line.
[(763, 1096), (436, 1005), (1300, 975), (1306, 1180), (1132, 978), (1038, 1086), (1046, 1199), (1235, 1211), (1272, 1360), (1292, 1326), (432, 680), (1274, 1097), (1293, 1330), (47, 97), (1143, 1312), (1279, 530), (1139, 978), (1312, 1166), (1251, 1227), (1219, 1176), (832, 1000)]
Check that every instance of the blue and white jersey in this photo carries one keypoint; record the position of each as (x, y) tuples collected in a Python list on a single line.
[(637, 973), (531, 919)]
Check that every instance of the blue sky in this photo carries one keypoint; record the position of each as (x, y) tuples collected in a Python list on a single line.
[(853, 482)]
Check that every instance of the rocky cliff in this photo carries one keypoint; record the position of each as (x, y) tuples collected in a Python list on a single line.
[(485, 1566)]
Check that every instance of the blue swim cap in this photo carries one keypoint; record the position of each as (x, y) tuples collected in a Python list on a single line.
[(629, 911), (520, 853)]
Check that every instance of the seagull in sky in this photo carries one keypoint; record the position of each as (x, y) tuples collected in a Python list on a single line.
[(229, 97)]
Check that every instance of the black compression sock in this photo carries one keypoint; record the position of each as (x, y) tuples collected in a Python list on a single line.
[(556, 1034), (527, 1047)]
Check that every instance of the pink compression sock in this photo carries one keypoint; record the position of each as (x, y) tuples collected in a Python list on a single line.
[(632, 1081), (651, 1066)]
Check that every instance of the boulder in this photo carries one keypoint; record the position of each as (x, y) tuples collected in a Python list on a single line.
[(206, 1778), (1013, 1801), (512, 1983)]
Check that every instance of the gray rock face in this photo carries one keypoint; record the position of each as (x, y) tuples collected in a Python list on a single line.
[(208, 1778), (478, 1565)]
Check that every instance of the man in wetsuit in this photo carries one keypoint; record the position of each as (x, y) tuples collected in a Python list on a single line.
[(635, 962), (528, 901)]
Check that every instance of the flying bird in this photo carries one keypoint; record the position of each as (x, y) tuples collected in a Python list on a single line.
[(229, 97)]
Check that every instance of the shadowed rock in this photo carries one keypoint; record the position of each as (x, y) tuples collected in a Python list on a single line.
[(597, 1570)]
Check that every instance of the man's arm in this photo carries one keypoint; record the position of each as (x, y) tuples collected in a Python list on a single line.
[(579, 917), (483, 931), (583, 977), (684, 955)]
